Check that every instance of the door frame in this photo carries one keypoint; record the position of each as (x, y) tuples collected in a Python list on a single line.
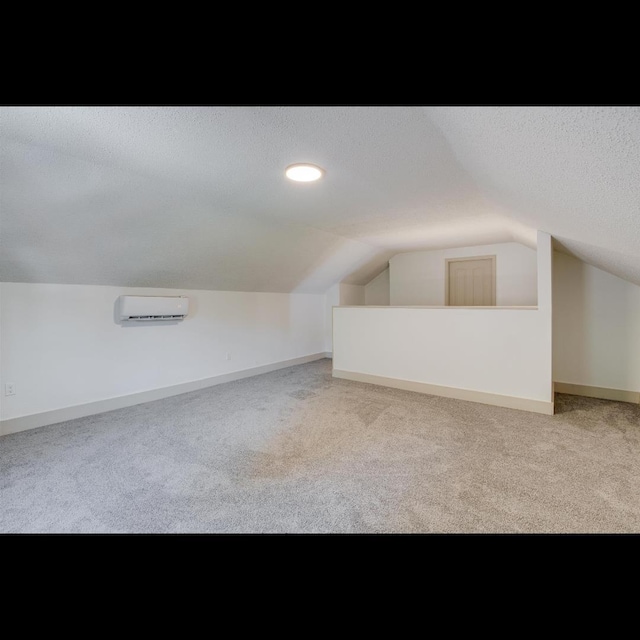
[(493, 276)]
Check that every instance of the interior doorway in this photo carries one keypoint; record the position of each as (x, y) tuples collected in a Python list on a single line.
[(471, 282)]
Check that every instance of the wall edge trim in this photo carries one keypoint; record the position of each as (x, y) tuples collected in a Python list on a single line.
[(603, 393), (54, 416), (483, 397)]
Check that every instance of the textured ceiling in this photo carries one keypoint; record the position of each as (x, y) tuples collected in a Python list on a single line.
[(196, 197), (571, 171)]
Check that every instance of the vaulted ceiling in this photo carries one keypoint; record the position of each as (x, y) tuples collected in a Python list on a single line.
[(195, 197)]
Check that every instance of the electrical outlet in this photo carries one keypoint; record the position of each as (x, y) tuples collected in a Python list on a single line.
[(228, 356), (9, 389)]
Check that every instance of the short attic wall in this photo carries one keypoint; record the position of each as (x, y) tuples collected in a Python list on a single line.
[(63, 349), (596, 331), (499, 356)]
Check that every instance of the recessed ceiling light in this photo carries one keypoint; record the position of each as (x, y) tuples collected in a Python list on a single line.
[(304, 172)]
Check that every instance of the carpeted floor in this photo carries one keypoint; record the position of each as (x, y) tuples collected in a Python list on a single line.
[(298, 451)]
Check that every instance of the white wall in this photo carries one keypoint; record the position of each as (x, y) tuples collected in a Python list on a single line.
[(332, 299), (1, 352), (61, 346), (351, 294), (596, 324), (376, 292), (418, 277), (339, 294), (476, 349), (498, 351)]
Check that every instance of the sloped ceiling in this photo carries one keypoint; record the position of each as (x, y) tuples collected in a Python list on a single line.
[(196, 197), (571, 171)]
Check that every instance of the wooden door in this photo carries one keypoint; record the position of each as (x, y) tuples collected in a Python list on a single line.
[(471, 282)]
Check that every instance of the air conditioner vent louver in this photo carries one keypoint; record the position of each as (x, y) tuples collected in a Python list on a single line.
[(155, 317)]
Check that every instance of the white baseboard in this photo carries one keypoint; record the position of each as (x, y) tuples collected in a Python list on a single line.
[(328, 354), (511, 402), (35, 420), (598, 392)]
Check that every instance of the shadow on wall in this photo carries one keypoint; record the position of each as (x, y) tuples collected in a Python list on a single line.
[(594, 330), (570, 343)]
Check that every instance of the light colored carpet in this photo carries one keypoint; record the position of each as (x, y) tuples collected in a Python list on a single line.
[(298, 451)]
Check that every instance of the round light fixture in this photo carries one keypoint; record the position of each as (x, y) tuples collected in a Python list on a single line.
[(304, 172)]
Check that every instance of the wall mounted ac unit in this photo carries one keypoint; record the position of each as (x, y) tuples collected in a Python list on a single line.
[(153, 308)]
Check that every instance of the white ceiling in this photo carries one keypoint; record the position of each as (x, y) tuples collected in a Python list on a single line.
[(196, 197)]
